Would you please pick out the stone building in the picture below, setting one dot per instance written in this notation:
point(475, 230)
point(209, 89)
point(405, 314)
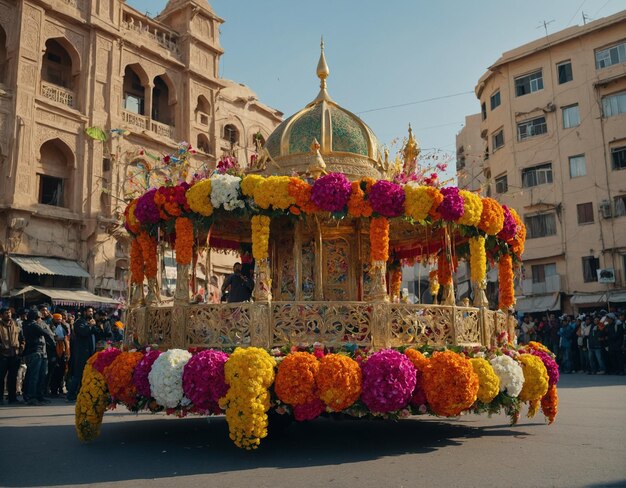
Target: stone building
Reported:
point(66, 65)
point(554, 143)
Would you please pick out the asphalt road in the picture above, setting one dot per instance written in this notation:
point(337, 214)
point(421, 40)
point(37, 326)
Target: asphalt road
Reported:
point(585, 447)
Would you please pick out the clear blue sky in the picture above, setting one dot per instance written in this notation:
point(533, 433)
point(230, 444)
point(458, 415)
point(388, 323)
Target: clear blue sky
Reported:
point(383, 53)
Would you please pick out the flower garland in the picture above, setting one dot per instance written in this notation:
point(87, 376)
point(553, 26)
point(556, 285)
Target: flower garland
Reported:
point(433, 283)
point(260, 236)
point(535, 378)
point(420, 362)
point(204, 380)
point(130, 221)
point(492, 217)
point(509, 227)
point(249, 184)
point(172, 200)
point(105, 358)
point(506, 285)
point(166, 377)
point(419, 200)
point(387, 198)
point(379, 239)
point(136, 263)
point(551, 365)
point(119, 378)
point(550, 404)
point(142, 370)
point(199, 198)
point(149, 251)
point(338, 381)
point(452, 206)
point(249, 372)
point(488, 381)
point(184, 240)
point(273, 192)
point(396, 282)
point(473, 208)
point(518, 242)
point(146, 210)
point(331, 192)
point(389, 379)
point(91, 402)
point(295, 379)
point(300, 191)
point(437, 198)
point(444, 269)
point(225, 190)
point(450, 383)
point(510, 374)
point(358, 206)
point(478, 259)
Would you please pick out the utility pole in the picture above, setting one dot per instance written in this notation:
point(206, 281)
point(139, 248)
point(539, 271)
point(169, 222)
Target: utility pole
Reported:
point(545, 25)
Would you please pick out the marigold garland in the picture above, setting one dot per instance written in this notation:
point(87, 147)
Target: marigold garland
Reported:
point(437, 198)
point(119, 378)
point(450, 383)
point(249, 372)
point(300, 191)
point(535, 378)
point(420, 362)
point(199, 198)
point(550, 404)
point(260, 236)
point(358, 206)
point(295, 379)
point(136, 262)
point(184, 240)
point(478, 259)
point(130, 221)
point(91, 403)
point(249, 184)
point(273, 192)
point(396, 282)
point(379, 239)
point(445, 267)
point(338, 381)
point(488, 381)
point(434, 286)
point(473, 206)
point(505, 282)
point(492, 217)
point(419, 200)
point(149, 251)
point(518, 242)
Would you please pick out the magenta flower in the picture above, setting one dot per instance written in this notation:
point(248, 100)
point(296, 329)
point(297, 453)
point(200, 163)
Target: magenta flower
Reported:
point(105, 358)
point(146, 211)
point(140, 375)
point(451, 208)
point(510, 226)
point(331, 192)
point(550, 364)
point(204, 381)
point(388, 381)
point(309, 411)
point(387, 198)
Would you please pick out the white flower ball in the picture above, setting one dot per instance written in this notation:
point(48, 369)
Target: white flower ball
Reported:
point(510, 373)
point(166, 377)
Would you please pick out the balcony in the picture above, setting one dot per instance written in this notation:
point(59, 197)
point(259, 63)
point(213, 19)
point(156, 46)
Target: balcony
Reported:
point(71, 3)
point(136, 121)
point(552, 284)
point(151, 30)
point(162, 130)
point(58, 94)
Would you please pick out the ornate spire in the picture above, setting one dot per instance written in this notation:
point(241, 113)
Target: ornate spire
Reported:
point(322, 73)
point(410, 152)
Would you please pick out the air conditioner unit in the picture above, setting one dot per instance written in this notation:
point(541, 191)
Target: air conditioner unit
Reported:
point(605, 209)
point(606, 275)
point(550, 107)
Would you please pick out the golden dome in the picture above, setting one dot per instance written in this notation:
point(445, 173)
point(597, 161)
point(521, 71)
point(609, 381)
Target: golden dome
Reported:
point(323, 128)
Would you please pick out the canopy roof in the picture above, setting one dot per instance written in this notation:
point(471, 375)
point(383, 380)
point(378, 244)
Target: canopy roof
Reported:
point(50, 266)
point(66, 296)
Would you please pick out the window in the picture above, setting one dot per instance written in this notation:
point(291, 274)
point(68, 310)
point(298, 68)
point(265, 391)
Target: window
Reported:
point(497, 140)
point(495, 100)
point(610, 56)
point(531, 128)
point(618, 155)
point(590, 267)
point(502, 184)
point(564, 71)
point(529, 83)
point(614, 104)
point(483, 110)
point(134, 92)
point(543, 271)
point(51, 191)
point(577, 166)
point(231, 134)
point(585, 213)
point(134, 104)
point(106, 165)
point(619, 205)
point(541, 225)
point(571, 116)
point(537, 175)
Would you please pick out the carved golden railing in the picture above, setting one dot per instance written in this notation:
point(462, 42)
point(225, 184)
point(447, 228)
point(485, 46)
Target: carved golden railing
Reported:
point(276, 324)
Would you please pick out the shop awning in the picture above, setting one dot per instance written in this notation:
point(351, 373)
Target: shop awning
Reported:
point(590, 299)
point(49, 266)
point(538, 303)
point(619, 296)
point(67, 297)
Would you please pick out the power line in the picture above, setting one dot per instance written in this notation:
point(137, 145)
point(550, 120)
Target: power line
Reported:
point(576, 13)
point(416, 102)
point(607, 2)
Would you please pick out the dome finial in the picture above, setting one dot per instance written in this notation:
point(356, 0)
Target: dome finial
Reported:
point(322, 74)
point(410, 153)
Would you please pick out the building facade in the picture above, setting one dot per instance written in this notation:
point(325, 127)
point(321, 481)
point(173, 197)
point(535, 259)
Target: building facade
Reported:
point(469, 156)
point(67, 65)
point(553, 125)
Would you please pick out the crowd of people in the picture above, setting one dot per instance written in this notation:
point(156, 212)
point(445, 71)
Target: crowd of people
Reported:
point(588, 343)
point(43, 353)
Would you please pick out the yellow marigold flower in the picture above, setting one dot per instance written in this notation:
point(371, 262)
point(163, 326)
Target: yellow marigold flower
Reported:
point(419, 201)
point(478, 259)
point(249, 183)
point(473, 205)
point(199, 198)
point(488, 381)
point(260, 236)
point(535, 378)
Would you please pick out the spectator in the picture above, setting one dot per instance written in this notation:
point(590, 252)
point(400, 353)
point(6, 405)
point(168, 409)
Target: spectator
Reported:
point(86, 334)
point(118, 331)
point(38, 337)
point(567, 333)
point(11, 348)
point(597, 337)
point(615, 341)
point(583, 343)
point(238, 286)
point(527, 329)
point(62, 352)
point(214, 291)
point(105, 332)
point(553, 333)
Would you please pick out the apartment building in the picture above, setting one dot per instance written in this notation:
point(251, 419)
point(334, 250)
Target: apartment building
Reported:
point(66, 65)
point(553, 129)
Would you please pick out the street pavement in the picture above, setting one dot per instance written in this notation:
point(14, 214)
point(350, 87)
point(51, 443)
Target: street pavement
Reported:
point(586, 447)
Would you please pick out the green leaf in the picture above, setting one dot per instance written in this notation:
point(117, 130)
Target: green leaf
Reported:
point(96, 133)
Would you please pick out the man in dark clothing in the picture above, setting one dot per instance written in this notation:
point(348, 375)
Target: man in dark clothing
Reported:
point(11, 348)
point(238, 286)
point(38, 336)
point(615, 340)
point(105, 332)
point(597, 339)
point(83, 344)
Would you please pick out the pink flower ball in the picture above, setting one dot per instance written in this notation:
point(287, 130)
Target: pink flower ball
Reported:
point(309, 411)
point(389, 379)
point(387, 198)
point(204, 381)
point(105, 358)
point(140, 375)
point(452, 208)
point(331, 192)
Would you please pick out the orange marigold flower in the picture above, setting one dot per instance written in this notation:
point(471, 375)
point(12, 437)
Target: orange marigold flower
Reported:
point(338, 381)
point(148, 248)
point(417, 358)
point(295, 380)
point(492, 217)
point(506, 285)
point(184, 240)
point(437, 198)
point(357, 205)
point(136, 262)
point(119, 377)
point(300, 191)
point(550, 404)
point(379, 239)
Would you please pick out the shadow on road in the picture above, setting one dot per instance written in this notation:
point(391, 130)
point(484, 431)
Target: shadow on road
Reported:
point(160, 447)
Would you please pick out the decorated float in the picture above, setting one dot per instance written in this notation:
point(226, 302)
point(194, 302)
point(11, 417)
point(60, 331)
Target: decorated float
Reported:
point(327, 220)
